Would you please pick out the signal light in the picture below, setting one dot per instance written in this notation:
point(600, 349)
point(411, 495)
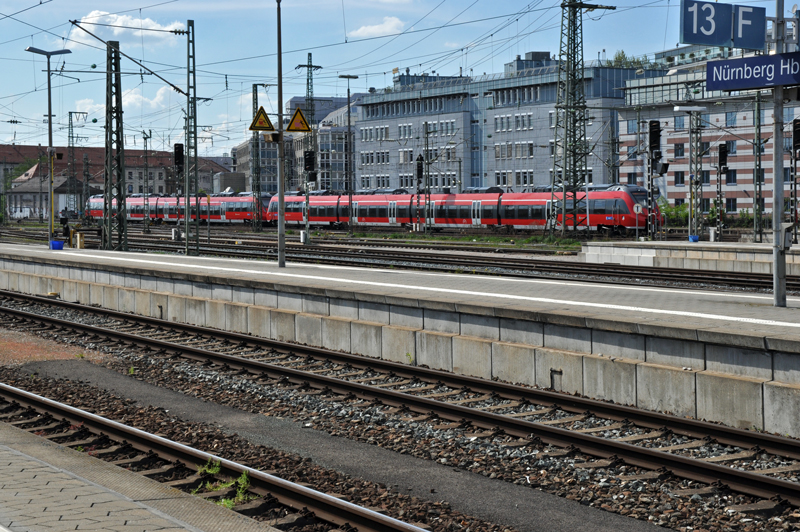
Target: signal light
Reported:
point(722, 159)
point(420, 170)
point(178, 154)
point(271, 137)
point(654, 127)
point(309, 160)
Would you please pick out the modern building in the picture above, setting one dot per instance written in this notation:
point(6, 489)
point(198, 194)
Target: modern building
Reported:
point(495, 129)
point(729, 119)
point(242, 162)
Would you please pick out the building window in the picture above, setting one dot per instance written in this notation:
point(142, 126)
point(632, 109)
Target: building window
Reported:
point(679, 179)
point(680, 123)
point(758, 146)
point(631, 178)
point(788, 114)
point(730, 204)
point(787, 144)
point(160, 189)
point(730, 177)
point(552, 119)
point(705, 204)
point(731, 144)
point(705, 177)
point(787, 175)
point(730, 119)
point(705, 119)
point(679, 201)
point(705, 147)
point(632, 126)
point(759, 175)
point(679, 150)
point(632, 152)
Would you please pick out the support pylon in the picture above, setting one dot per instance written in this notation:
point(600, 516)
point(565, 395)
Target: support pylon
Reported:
point(191, 201)
point(115, 227)
point(571, 147)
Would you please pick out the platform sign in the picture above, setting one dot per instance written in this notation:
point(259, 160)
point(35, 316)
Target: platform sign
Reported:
point(760, 71)
point(298, 123)
point(261, 122)
point(715, 24)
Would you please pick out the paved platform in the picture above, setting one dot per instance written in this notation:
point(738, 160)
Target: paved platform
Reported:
point(45, 487)
point(724, 356)
point(722, 256)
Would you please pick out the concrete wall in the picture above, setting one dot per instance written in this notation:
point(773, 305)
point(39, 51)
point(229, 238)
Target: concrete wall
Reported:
point(743, 380)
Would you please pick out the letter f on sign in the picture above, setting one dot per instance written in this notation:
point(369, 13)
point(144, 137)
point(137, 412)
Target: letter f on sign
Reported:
point(742, 21)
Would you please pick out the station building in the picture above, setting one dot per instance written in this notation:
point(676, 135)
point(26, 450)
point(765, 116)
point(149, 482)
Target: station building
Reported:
point(494, 129)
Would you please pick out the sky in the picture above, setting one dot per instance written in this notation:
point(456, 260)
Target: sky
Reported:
point(236, 47)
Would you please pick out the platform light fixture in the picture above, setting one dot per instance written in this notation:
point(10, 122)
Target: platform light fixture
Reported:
point(51, 151)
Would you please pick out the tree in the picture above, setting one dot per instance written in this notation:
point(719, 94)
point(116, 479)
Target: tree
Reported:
point(622, 60)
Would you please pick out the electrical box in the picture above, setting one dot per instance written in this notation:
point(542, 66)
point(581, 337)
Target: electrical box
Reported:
point(785, 242)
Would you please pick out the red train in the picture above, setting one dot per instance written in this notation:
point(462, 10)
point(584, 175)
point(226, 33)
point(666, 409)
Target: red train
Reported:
point(610, 207)
point(217, 209)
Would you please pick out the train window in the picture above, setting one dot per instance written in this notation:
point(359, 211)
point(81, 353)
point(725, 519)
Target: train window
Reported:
point(510, 212)
point(449, 211)
point(383, 211)
point(373, 211)
point(463, 211)
point(273, 207)
point(314, 211)
point(488, 212)
point(345, 211)
point(361, 211)
point(523, 212)
point(598, 207)
point(215, 210)
point(442, 211)
point(620, 207)
point(330, 211)
point(402, 211)
point(537, 212)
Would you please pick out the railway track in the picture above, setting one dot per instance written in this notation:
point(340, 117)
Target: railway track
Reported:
point(191, 469)
point(539, 423)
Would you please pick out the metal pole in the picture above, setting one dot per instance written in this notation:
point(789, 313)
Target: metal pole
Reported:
point(757, 211)
point(349, 156)
point(281, 177)
point(50, 150)
point(778, 253)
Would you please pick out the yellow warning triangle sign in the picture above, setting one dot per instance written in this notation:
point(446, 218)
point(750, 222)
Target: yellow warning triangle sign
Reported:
point(261, 122)
point(298, 122)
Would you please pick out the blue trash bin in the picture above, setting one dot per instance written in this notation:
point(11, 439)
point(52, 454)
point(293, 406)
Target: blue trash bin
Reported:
point(56, 245)
point(694, 238)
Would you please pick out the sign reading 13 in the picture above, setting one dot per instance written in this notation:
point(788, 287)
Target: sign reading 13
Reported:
point(706, 23)
point(715, 24)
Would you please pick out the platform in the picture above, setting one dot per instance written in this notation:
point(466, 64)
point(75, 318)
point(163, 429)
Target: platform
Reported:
point(723, 356)
point(719, 256)
point(44, 486)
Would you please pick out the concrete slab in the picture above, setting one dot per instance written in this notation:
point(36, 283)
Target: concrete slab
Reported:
point(610, 378)
point(738, 361)
point(202, 290)
point(258, 321)
point(373, 312)
point(315, 305)
point(567, 338)
point(472, 356)
point(282, 327)
point(559, 370)
point(68, 290)
point(514, 362)
point(308, 329)
point(666, 389)
point(621, 345)
point(244, 295)
point(435, 350)
point(343, 308)
point(521, 332)
point(402, 316)
point(177, 308)
point(480, 326)
point(676, 353)
point(236, 317)
point(290, 301)
point(221, 292)
point(336, 333)
point(399, 344)
point(441, 321)
point(159, 306)
point(265, 298)
point(111, 297)
point(83, 293)
point(779, 399)
point(127, 300)
point(142, 303)
point(196, 313)
point(365, 338)
point(735, 401)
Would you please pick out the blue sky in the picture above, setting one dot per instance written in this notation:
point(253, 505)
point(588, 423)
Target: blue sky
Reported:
point(236, 47)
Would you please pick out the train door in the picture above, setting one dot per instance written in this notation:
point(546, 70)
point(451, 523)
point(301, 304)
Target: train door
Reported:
point(392, 212)
point(354, 213)
point(430, 214)
point(476, 213)
point(304, 211)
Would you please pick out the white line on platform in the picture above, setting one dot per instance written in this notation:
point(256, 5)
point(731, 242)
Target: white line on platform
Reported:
point(603, 306)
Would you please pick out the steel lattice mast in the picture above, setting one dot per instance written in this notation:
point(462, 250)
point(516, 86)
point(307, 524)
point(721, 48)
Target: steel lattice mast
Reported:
point(86, 189)
point(255, 170)
point(570, 144)
point(190, 166)
point(115, 228)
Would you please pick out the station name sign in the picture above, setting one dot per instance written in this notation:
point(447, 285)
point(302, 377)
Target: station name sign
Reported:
point(753, 72)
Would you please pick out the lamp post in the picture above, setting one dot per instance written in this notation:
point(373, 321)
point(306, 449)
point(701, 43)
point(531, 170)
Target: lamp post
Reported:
point(50, 149)
point(349, 158)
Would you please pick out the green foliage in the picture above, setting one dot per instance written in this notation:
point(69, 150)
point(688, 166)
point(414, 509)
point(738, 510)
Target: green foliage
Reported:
point(210, 468)
point(131, 370)
point(227, 503)
point(676, 216)
point(623, 60)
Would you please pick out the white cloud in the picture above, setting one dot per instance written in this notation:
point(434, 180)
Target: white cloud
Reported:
point(390, 25)
point(451, 45)
point(129, 30)
point(134, 98)
point(88, 105)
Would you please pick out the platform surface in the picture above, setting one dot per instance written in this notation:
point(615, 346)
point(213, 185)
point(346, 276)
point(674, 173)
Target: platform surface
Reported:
point(722, 311)
point(46, 487)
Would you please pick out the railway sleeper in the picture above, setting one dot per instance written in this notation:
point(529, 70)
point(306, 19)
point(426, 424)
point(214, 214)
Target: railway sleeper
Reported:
point(295, 520)
point(765, 508)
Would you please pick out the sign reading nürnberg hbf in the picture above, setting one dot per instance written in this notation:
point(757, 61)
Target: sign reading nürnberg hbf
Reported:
point(753, 72)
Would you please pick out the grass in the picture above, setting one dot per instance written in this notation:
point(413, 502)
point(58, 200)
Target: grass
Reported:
point(509, 240)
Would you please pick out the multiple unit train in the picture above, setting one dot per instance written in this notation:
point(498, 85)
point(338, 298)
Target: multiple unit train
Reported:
point(607, 207)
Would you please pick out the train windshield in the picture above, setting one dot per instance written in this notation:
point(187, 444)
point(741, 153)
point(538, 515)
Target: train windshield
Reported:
point(639, 197)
